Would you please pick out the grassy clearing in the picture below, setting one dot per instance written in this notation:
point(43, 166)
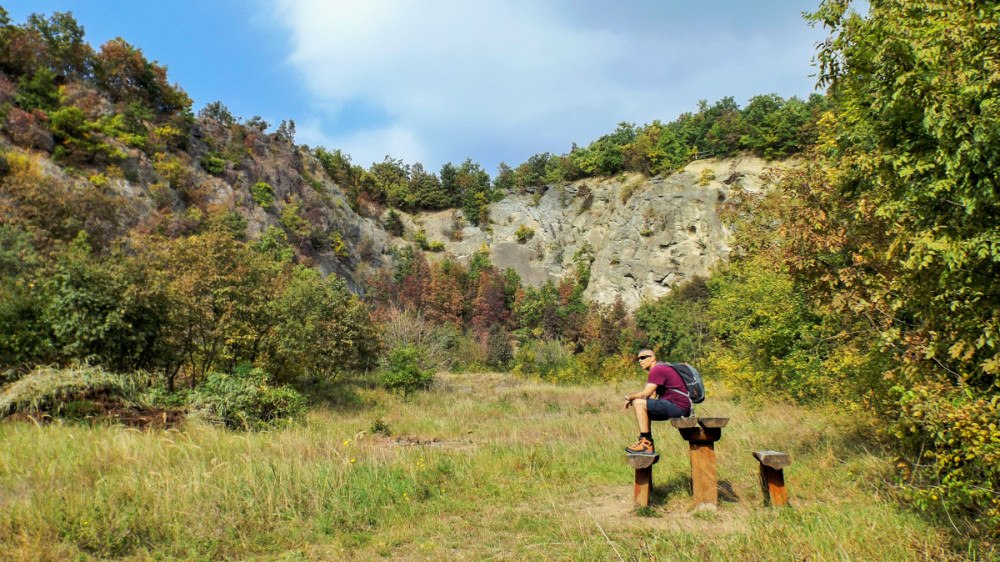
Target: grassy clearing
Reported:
point(519, 470)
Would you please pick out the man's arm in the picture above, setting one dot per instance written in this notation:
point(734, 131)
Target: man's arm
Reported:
point(646, 392)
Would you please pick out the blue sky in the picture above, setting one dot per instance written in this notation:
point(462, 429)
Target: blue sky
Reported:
point(445, 80)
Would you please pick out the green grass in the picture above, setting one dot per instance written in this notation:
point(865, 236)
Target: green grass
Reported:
point(519, 470)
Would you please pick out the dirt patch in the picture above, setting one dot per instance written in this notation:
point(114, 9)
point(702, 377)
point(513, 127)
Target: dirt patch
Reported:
point(611, 507)
point(416, 440)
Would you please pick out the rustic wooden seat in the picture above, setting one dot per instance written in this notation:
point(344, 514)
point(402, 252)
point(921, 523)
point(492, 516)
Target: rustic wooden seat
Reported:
point(772, 479)
point(643, 465)
point(701, 435)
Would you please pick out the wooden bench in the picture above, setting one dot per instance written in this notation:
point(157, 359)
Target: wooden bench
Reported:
point(701, 435)
point(772, 479)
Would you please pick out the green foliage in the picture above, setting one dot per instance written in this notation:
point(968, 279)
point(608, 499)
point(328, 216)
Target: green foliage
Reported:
point(293, 221)
point(766, 332)
point(320, 328)
point(421, 239)
point(402, 371)
point(706, 176)
point(274, 241)
point(101, 311)
point(542, 358)
point(392, 223)
point(218, 111)
point(913, 139)
point(245, 399)
point(480, 262)
point(38, 92)
point(76, 138)
point(951, 460)
point(214, 164)
point(677, 325)
point(769, 126)
point(263, 194)
point(499, 351)
point(523, 233)
point(338, 246)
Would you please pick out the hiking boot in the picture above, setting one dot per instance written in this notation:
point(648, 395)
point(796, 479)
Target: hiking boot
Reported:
point(643, 447)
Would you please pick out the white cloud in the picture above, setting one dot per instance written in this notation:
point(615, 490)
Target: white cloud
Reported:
point(367, 146)
point(439, 81)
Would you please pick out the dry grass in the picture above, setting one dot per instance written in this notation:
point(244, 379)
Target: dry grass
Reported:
point(518, 470)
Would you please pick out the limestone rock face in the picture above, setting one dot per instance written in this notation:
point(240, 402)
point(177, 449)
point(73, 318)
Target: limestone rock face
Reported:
point(646, 235)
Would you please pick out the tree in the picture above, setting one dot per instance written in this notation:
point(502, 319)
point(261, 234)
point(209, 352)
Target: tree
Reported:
point(915, 139)
point(123, 71)
point(891, 229)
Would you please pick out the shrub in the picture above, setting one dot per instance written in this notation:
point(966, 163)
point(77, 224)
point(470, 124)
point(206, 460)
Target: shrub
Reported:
point(338, 246)
point(403, 370)
point(951, 459)
point(263, 194)
point(392, 223)
point(245, 399)
point(213, 164)
point(499, 351)
point(706, 176)
point(437, 342)
point(524, 234)
point(541, 358)
point(421, 239)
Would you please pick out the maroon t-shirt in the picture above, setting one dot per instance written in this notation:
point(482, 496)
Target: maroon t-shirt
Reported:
point(667, 380)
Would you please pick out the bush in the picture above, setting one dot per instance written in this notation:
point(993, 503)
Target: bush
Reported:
point(542, 358)
point(263, 194)
point(499, 351)
point(677, 325)
point(244, 399)
point(392, 223)
point(951, 459)
point(213, 164)
point(403, 370)
point(706, 176)
point(524, 234)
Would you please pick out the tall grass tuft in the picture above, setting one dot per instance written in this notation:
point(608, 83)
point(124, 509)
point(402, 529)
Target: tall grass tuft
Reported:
point(50, 389)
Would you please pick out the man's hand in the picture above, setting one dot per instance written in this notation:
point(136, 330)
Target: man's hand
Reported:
point(628, 402)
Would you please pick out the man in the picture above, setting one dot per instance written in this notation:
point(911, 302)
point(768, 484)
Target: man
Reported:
point(671, 400)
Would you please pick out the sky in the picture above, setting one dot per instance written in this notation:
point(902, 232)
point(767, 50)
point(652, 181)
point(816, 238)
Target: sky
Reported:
point(439, 81)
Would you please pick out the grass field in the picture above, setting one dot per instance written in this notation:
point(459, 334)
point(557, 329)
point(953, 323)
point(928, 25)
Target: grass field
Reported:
point(483, 467)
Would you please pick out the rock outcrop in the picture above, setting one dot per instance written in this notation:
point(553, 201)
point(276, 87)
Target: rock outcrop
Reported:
point(645, 235)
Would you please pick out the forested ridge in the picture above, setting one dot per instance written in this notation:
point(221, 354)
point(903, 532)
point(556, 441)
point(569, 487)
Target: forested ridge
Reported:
point(867, 277)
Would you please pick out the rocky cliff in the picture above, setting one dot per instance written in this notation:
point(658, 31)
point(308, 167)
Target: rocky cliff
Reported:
point(646, 235)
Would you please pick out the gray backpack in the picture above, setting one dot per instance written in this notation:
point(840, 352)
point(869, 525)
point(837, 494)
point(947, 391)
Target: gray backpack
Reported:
point(692, 380)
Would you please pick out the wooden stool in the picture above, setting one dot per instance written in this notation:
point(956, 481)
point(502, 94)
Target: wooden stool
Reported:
point(643, 465)
point(701, 434)
point(772, 481)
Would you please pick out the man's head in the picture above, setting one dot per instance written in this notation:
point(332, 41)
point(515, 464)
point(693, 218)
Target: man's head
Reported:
point(646, 359)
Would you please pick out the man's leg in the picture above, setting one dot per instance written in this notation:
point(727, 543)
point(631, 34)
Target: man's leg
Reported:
point(641, 415)
point(645, 444)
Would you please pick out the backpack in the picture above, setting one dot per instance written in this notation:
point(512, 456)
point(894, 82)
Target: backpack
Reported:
point(692, 380)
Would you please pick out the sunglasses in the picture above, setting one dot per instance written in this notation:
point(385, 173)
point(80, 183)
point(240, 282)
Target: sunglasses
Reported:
point(643, 357)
